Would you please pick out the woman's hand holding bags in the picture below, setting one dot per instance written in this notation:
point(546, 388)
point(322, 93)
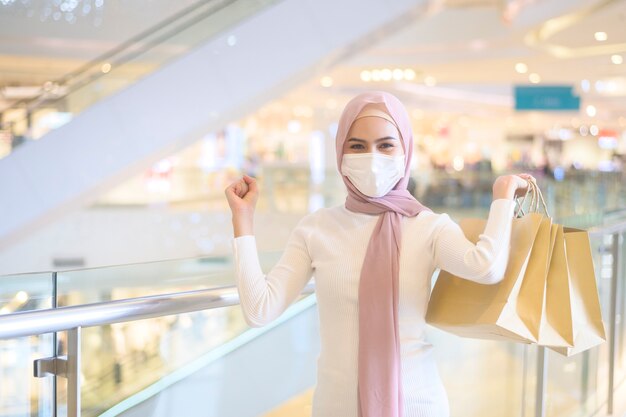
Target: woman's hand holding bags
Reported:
point(548, 295)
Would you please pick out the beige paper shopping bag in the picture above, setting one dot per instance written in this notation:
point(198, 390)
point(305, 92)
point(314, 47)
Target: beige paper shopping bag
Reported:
point(556, 320)
point(469, 309)
point(530, 301)
point(586, 316)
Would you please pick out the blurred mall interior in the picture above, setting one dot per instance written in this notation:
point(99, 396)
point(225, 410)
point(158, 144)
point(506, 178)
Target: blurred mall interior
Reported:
point(122, 122)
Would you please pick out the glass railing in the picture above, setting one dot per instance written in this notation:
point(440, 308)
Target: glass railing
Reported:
point(118, 359)
point(60, 100)
point(20, 393)
point(207, 361)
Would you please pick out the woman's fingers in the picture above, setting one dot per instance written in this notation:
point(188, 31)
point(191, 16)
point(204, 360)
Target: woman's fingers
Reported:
point(527, 177)
point(241, 188)
point(251, 183)
point(242, 194)
point(523, 183)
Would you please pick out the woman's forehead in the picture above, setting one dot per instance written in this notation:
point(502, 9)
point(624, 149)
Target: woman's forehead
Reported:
point(372, 127)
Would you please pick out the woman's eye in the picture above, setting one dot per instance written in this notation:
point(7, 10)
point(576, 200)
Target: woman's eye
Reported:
point(386, 146)
point(356, 146)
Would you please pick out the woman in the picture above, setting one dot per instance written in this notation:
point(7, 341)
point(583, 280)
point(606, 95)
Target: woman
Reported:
point(372, 258)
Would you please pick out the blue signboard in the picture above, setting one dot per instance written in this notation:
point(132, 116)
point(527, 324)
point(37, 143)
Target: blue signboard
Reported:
point(549, 98)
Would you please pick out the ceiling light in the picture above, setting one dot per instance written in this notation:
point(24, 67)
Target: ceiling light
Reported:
point(593, 129)
point(584, 130)
point(409, 74)
point(430, 81)
point(294, 126)
point(534, 78)
point(458, 163)
point(326, 82)
point(600, 36)
point(21, 92)
point(617, 59)
point(591, 111)
point(376, 76)
point(106, 67)
point(366, 76)
point(398, 74)
point(521, 68)
point(231, 40)
point(386, 74)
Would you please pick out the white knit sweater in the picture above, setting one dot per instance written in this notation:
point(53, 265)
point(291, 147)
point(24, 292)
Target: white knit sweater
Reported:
point(330, 244)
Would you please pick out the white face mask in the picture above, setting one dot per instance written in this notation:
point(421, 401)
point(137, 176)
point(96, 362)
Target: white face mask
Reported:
point(373, 174)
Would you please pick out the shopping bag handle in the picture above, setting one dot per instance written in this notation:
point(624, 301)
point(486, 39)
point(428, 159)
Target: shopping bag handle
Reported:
point(520, 206)
point(536, 196)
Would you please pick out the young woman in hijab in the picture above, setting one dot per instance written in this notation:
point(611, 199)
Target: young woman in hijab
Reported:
point(372, 258)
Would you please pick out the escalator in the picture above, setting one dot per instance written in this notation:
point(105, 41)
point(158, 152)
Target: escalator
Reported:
point(129, 112)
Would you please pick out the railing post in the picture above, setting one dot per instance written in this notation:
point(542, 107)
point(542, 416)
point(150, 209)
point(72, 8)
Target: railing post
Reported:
point(542, 375)
point(55, 345)
point(524, 380)
point(73, 372)
point(613, 319)
point(67, 367)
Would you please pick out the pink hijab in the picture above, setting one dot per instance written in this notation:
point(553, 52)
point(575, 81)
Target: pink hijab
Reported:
point(380, 378)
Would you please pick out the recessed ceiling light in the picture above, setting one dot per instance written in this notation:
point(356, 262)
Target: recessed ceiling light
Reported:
point(600, 36)
point(534, 78)
point(409, 74)
point(521, 68)
point(386, 74)
point(106, 67)
point(366, 76)
point(326, 81)
point(584, 130)
point(617, 59)
point(591, 110)
point(398, 74)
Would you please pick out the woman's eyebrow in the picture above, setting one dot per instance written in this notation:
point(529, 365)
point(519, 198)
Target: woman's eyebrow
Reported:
point(377, 140)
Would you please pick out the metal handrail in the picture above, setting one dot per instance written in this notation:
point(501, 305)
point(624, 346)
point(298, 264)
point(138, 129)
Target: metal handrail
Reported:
point(607, 230)
point(31, 323)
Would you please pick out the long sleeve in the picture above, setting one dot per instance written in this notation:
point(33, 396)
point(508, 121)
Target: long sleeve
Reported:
point(484, 262)
point(265, 297)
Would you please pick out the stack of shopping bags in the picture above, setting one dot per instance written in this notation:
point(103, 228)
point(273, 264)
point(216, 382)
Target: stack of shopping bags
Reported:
point(548, 295)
